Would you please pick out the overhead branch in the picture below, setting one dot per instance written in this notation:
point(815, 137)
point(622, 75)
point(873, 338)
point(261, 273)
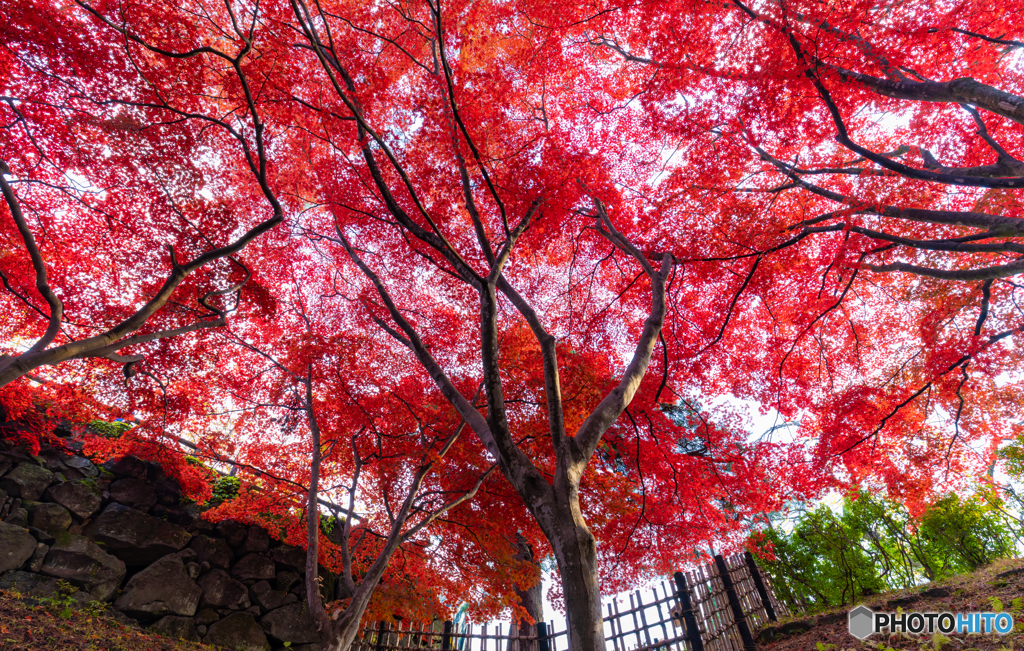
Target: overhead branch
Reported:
point(961, 91)
point(446, 67)
point(106, 343)
point(464, 408)
point(333, 68)
point(612, 44)
point(997, 225)
point(957, 177)
point(986, 296)
point(985, 273)
point(489, 348)
point(465, 497)
point(474, 213)
point(998, 40)
point(38, 265)
point(613, 404)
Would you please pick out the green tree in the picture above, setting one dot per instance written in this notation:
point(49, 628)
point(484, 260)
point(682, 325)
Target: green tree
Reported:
point(873, 544)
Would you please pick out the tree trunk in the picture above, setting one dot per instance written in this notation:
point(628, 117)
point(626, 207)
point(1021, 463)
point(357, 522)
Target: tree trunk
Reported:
point(344, 631)
point(575, 552)
point(530, 599)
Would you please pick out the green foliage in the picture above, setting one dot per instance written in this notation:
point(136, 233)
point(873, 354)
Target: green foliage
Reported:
point(874, 545)
point(331, 527)
point(1012, 455)
point(66, 606)
point(939, 640)
point(327, 524)
point(226, 489)
point(109, 430)
point(963, 535)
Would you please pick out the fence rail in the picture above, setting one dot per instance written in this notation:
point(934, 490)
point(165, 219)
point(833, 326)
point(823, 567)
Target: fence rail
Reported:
point(713, 607)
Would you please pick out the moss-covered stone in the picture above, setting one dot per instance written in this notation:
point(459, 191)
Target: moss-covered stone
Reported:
point(27, 481)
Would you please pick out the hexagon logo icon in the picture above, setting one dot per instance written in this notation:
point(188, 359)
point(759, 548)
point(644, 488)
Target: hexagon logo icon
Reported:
point(862, 621)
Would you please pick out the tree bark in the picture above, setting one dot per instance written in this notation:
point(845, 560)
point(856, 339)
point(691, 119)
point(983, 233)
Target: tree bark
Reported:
point(530, 598)
point(576, 554)
point(557, 512)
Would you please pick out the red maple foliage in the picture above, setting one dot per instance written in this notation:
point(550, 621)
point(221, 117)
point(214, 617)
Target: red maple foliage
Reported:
point(597, 218)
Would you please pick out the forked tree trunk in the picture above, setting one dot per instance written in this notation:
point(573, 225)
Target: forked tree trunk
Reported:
point(344, 631)
point(575, 550)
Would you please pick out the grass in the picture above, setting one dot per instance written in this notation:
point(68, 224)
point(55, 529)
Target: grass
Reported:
point(61, 624)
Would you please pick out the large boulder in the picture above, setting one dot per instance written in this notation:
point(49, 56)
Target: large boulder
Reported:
point(291, 623)
point(233, 531)
point(81, 497)
point(133, 492)
point(51, 518)
point(214, 551)
point(83, 466)
point(163, 588)
point(167, 491)
point(253, 566)
point(128, 466)
point(206, 616)
point(221, 591)
point(182, 628)
point(18, 516)
point(274, 599)
point(286, 581)
point(38, 556)
point(29, 583)
point(80, 561)
point(135, 537)
point(238, 631)
point(257, 540)
point(27, 481)
point(16, 546)
point(289, 558)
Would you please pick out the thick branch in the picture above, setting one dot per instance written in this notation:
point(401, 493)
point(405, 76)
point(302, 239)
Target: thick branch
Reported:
point(42, 285)
point(612, 406)
point(962, 91)
point(313, 598)
point(986, 273)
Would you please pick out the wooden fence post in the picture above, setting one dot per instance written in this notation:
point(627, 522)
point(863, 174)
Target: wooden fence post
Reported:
point(446, 636)
point(734, 603)
point(683, 594)
point(381, 629)
point(542, 636)
point(762, 591)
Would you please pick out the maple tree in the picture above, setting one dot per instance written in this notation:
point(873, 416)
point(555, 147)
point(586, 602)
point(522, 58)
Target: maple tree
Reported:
point(596, 215)
point(143, 195)
point(885, 276)
point(383, 442)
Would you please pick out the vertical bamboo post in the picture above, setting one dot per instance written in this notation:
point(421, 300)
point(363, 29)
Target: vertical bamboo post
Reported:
point(446, 636)
point(692, 632)
point(734, 603)
point(762, 591)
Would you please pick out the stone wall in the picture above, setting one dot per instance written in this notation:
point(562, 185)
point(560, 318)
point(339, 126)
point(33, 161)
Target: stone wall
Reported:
point(120, 534)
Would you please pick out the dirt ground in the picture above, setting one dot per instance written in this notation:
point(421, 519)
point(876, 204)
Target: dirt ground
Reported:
point(32, 625)
point(983, 591)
